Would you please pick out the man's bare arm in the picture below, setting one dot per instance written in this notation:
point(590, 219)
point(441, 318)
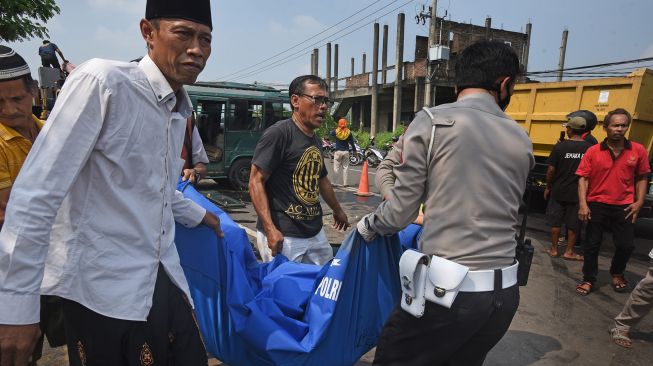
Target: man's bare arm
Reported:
point(257, 179)
point(584, 213)
point(640, 192)
point(550, 174)
point(340, 220)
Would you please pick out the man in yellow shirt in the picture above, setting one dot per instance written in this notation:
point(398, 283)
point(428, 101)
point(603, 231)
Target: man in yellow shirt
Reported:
point(18, 130)
point(18, 127)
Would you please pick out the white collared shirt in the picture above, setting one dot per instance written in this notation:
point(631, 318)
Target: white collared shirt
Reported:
point(95, 200)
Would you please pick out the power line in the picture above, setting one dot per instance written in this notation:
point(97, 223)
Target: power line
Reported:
point(586, 75)
point(304, 41)
point(299, 53)
point(591, 66)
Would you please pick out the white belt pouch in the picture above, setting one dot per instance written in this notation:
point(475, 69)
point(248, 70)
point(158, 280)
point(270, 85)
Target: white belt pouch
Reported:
point(413, 267)
point(444, 279)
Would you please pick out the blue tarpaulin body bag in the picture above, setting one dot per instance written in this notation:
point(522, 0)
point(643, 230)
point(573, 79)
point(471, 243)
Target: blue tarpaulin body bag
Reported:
point(286, 313)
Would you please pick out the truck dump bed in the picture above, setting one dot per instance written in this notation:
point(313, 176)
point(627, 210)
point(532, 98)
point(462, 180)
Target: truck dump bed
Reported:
point(540, 108)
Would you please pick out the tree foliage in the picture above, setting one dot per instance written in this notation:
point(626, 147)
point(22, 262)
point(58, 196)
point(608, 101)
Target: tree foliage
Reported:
point(25, 19)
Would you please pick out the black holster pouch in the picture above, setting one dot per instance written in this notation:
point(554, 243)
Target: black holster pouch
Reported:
point(524, 255)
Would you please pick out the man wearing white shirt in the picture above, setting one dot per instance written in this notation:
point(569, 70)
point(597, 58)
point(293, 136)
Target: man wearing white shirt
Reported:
point(91, 215)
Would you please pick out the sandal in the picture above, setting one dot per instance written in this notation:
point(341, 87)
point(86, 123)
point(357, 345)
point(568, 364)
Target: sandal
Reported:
point(620, 337)
point(551, 253)
point(572, 257)
point(619, 283)
point(584, 288)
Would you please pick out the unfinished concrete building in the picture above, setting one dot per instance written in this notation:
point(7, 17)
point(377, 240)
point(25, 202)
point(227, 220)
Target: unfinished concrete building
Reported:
point(356, 99)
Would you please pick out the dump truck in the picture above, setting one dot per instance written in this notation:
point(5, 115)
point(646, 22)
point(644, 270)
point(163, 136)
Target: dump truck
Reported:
point(541, 109)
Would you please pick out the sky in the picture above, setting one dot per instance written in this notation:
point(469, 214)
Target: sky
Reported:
point(248, 33)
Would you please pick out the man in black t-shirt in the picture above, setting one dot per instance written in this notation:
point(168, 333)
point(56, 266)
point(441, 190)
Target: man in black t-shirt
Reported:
point(590, 123)
point(288, 176)
point(562, 186)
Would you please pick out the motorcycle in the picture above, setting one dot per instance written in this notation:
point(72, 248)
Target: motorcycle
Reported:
point(374, 155)
point(328, 147)
point(357, 156)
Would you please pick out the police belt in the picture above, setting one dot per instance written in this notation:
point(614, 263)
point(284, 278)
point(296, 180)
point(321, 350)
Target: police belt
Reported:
point(484, 280)
point(439, 280)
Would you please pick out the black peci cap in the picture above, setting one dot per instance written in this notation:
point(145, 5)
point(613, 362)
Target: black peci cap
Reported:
point(198, 11)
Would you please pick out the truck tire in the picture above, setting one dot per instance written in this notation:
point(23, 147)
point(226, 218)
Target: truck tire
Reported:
point(239, 173)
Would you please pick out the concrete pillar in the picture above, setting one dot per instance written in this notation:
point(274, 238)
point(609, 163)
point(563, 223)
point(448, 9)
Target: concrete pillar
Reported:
point(362, 115)
point(375, 72)
point(313, 63)
point(399, 68)
point(352, 67)
point(328, 66)
point(317, 61)
point(428, 99)
point(364, 63)
point(419, 93)
point(563, 50)
point(335, 68)
point(384, 56)
point(527, 46)
point(488, 27)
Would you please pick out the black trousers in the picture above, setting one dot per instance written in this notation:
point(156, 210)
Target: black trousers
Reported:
point(170, 335)
point(461, 335)
point(607, 217)
point(50, 61)
point(51, 325)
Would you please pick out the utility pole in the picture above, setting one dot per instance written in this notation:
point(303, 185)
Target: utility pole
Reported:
point(563, 50)
point(352, 67)
point(335, 68)
point(399, 68)
point(328, 66)
point(317, 61)
point(488, 27)
point(375, 72)
point(428, 95)
point(364, 62)
point(384, 56)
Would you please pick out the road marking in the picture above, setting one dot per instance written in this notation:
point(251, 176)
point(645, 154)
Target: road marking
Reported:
point(360, 171)
point(352, 189)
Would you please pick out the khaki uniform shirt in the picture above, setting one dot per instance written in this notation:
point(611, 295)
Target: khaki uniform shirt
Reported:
point(472, 186)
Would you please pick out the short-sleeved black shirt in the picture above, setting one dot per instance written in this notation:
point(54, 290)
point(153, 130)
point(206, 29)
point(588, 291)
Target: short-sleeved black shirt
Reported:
point(565, 157)
point(296, 165)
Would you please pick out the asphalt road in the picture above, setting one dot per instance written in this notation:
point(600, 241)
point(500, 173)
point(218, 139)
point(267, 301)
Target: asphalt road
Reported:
point(553, 326)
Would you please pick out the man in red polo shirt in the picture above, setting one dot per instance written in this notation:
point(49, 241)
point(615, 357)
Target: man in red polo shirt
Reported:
point(611, 191)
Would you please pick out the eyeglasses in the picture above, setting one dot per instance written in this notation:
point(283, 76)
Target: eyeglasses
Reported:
point(319, 100)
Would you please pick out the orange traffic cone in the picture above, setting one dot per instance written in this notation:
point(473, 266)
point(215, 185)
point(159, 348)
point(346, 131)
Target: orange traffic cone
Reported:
point(363, 186)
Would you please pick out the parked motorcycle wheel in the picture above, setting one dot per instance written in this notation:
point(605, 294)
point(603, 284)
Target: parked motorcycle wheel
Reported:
point(354, 159)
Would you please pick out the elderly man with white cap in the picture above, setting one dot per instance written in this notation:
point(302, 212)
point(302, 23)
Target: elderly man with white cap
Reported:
point(77, 226)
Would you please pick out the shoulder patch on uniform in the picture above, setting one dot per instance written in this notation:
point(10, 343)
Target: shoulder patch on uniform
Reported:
point(443, 121)
point(438, 118)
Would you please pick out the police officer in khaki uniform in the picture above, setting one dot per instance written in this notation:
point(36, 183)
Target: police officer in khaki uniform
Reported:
point(472, 185)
